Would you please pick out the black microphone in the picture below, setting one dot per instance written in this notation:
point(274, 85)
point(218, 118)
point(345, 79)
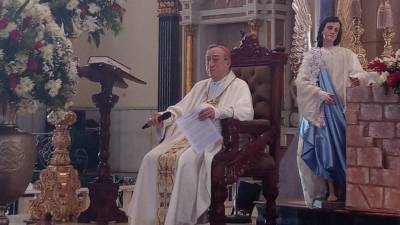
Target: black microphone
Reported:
point(163, 116)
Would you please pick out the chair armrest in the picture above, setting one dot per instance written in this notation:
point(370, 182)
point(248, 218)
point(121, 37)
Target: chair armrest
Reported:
point(231, 128)
point(255, 127)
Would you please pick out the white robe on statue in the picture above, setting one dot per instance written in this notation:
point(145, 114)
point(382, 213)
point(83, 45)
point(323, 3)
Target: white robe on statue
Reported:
point(189, 191)
point(341, 63)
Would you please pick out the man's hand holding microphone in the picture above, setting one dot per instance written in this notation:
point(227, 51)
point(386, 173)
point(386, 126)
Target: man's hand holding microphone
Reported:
point(156, 119)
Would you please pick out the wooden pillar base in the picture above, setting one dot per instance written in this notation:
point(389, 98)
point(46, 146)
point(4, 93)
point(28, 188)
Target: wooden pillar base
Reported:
point(103, 207)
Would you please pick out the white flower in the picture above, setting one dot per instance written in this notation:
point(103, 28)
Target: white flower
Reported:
point(53, 29)
point(45, 68)
point(56, 117)
point(397, 54)
point(91, 24)
point(73, 71)
point(24, 87)
point(93, 8)
point(19, 64)
point(21, 58)
point(68, 104)
point(390, 61)
point(6, 32)
point(55, 57)
point(53, 86)
point(47, 52)
point(72, 4)
point(382, 78)
point(44, 13)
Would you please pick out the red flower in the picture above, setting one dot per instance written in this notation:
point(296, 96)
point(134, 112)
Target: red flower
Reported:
point(26, 22)
point(3, 23)
point(15, 35)
point(84, 8)
point(38, 45)
point(393, 79)
point(377, 66)
point(12, 81)
point(33, 64)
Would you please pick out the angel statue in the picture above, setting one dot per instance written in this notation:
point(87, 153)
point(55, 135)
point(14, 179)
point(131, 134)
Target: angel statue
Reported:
point(325, 72)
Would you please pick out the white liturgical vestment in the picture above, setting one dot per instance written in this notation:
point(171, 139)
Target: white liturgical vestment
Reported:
point(173, 186)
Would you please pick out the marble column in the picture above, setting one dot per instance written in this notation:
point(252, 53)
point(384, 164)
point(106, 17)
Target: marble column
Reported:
point(168, 54)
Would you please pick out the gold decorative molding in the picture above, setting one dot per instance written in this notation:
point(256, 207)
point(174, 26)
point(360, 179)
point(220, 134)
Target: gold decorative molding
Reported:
point(387, 37)
point(344, 14)
point(253, 25)
point(167, 7)
point(188, 58)
point(356, 44)
point(59, 182)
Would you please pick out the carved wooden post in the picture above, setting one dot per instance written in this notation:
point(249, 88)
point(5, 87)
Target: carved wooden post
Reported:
point(104, 192)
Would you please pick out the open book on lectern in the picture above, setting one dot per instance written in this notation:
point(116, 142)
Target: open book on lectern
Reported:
point(109, 61)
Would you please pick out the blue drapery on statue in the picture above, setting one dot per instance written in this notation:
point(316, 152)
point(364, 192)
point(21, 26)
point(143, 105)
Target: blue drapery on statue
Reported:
point(324, 148)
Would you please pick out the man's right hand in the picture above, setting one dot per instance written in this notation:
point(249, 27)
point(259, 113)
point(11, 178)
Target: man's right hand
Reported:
point(153, 120)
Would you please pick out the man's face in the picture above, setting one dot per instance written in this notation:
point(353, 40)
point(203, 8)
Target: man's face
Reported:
point(217, 63)
point(330, 32)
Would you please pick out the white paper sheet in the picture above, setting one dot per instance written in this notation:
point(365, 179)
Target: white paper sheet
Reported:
point(200, 134)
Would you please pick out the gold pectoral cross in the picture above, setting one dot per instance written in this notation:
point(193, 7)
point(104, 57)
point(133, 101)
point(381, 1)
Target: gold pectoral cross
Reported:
point(212, 101)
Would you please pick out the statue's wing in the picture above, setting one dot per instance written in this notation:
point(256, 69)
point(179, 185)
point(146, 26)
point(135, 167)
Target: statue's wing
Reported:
point(301, 34)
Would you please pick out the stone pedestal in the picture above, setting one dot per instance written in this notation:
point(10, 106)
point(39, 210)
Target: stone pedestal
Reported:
point(373, 150)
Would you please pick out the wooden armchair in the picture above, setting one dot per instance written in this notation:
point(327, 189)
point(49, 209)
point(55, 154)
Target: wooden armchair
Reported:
point(263, 70)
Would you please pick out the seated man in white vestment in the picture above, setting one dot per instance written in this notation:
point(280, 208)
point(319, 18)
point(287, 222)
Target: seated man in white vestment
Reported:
point(174, 182)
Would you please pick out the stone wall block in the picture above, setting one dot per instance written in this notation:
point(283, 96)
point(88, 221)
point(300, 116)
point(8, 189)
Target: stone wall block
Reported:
point(380, 96)
point(354, 197)
point(370, 157)
point(392, 199)
point(351, 156)
point(354, 107)
point(358, 175)
point(381, 130)
point(392, 112)
point(392, 162)
point(385, 177)
point(374, 195)
point(355, 137)
point(398, 129)
point(371, 112)
point(391, 146)
point(351, 117)
point(358, 94)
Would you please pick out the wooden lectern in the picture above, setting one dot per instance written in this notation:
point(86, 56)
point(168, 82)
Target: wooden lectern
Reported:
point(103, 192)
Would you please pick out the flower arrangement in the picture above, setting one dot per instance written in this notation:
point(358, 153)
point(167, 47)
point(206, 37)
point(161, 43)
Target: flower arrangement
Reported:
point(93, 16)
point(389, 70)
point(36, 63)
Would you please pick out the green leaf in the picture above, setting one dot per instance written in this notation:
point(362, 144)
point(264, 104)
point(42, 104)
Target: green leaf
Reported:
point(21, 9)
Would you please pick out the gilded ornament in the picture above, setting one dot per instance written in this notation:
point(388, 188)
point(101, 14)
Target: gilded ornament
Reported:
point(59, 182)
